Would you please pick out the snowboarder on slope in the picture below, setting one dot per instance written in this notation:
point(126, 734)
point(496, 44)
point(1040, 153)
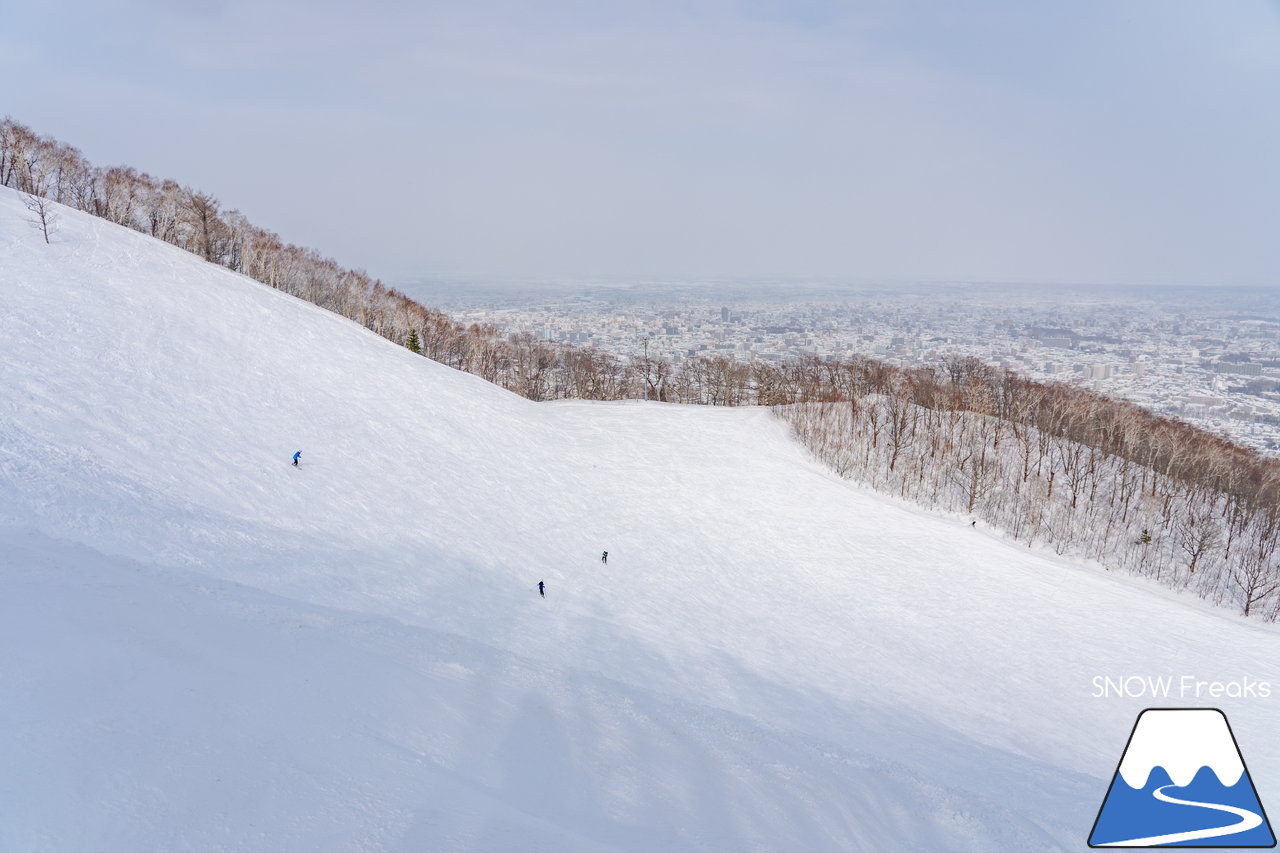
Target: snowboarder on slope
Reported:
point(295, 458)
point(604, 558)
point(542, 590)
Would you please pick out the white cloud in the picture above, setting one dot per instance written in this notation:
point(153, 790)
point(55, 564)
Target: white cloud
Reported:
point(1105, 142)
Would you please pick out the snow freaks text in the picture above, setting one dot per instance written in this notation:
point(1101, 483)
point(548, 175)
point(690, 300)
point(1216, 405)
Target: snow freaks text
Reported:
point(1181, 687)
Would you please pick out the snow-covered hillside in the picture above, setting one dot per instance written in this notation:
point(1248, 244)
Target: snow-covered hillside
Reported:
point(205, 648)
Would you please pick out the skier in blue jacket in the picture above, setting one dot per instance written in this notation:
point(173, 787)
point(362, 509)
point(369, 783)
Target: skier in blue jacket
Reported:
point(295, 458)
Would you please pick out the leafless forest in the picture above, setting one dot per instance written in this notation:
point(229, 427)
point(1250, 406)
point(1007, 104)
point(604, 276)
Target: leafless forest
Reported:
point(1051, 465)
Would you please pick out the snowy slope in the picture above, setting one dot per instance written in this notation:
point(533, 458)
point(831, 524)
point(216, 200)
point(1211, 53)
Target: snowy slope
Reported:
point(772, 659)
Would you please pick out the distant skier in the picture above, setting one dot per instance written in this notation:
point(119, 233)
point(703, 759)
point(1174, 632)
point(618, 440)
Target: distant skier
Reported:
point(542, 590)
point(295, 458)
point(604, 558)
point(974, 524)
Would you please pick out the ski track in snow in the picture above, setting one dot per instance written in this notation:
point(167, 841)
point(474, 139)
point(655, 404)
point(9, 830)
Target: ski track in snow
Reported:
point(772, 659)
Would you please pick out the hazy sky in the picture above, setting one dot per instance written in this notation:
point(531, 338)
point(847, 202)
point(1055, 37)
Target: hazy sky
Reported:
point(1085, 142)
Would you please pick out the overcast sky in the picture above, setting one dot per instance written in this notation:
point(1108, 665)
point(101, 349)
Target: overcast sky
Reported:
point(1074, 142)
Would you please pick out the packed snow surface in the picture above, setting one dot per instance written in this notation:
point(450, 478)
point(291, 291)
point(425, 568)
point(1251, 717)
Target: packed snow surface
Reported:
point(205, 648)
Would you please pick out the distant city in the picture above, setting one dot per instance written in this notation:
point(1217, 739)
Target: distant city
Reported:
point(1210, 356)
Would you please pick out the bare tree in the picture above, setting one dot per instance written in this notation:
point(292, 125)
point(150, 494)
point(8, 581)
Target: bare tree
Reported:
point(44, 216)
point(1255, 574)
point(902, 417)
point(1197, 533)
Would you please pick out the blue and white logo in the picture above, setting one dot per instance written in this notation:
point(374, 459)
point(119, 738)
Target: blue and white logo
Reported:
point(1182, 783)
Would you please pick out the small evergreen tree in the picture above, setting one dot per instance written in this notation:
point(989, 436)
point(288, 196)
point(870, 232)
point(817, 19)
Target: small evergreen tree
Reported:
point(414, 344)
